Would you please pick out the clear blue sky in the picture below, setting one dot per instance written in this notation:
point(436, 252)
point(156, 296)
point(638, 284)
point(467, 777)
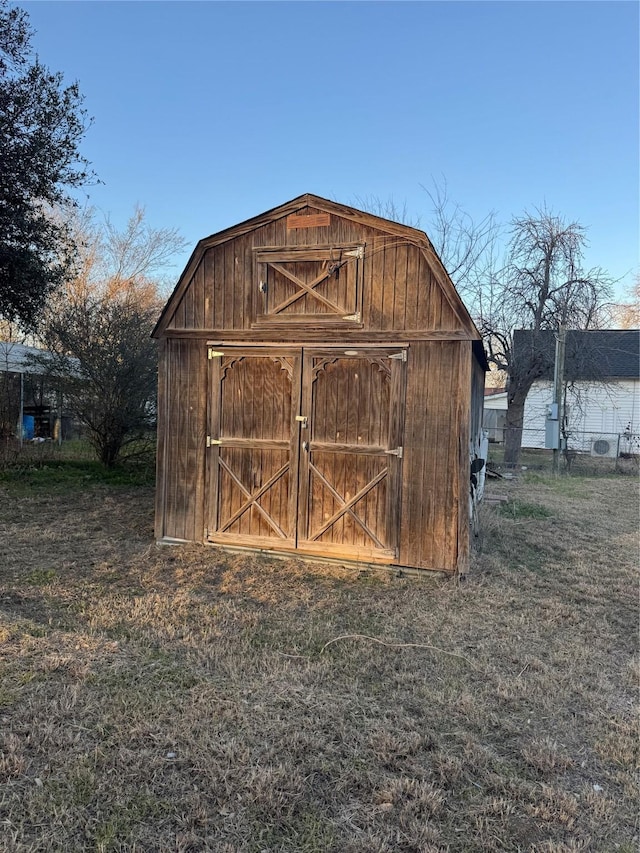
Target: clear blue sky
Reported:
point(209, 113)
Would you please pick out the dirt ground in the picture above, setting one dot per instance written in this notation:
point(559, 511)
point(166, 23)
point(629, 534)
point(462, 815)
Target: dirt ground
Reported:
point(182, 699)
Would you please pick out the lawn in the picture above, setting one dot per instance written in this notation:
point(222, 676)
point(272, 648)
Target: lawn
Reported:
point(182, 699)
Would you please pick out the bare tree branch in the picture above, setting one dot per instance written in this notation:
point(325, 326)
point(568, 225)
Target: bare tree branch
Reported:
point(98, 329)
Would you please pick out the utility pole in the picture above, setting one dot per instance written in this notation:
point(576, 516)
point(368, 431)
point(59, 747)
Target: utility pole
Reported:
point(558, 391)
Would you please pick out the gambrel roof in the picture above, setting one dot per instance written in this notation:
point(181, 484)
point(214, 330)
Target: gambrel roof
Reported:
point(407, 233)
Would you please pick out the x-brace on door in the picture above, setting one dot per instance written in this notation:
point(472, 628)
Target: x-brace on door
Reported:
point(351, 457)
point(305, 449)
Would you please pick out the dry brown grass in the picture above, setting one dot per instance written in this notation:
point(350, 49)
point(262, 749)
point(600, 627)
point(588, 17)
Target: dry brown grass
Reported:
point(182, 699)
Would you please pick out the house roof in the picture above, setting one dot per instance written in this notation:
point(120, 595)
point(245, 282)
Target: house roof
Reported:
point(18, 358)
point(412, 235)
point(596, 355)
point(496, 401)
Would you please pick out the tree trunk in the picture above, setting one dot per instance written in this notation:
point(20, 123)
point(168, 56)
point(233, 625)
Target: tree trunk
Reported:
point(107, 446)
point(513, 432)
point(109, 456)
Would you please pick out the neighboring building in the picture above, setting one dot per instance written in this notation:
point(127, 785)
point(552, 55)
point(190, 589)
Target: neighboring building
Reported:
point(320, 392)
point(494, 418)
point(602, 369)
point(30, 405)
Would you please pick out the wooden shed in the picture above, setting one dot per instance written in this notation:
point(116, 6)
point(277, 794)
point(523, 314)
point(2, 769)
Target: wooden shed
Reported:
point(320, 392)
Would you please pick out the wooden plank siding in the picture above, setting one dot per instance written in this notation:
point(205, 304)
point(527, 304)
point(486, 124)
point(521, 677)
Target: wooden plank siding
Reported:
point(433, 497)
point(428, 398)
point(462, 421)
point(435, 492)
point(400, 290)
point(182, 403)
point(161, 452)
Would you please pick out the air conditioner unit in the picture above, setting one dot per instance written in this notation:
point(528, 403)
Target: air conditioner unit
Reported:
point(606, 447)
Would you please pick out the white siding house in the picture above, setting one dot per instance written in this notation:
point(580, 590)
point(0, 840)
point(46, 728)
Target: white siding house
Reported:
point(593, 410)
point(603, 390)
point(495, 415)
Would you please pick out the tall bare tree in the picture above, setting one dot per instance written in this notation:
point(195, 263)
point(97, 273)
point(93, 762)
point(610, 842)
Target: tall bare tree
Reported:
point(467, 246)
point(98, 330)
point(537, 282)
point(542, 286)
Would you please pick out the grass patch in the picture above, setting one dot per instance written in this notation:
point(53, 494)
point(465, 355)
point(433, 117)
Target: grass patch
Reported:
point(62, 475)
point(41, 577)
point(187, 699)
point(571, 487)
point(521, 509)
point(72, 466)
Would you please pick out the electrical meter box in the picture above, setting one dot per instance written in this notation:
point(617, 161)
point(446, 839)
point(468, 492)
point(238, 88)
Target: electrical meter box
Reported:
point(552, 428)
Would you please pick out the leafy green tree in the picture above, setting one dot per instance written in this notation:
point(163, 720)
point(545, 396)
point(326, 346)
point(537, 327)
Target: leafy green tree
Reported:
point(42, 123)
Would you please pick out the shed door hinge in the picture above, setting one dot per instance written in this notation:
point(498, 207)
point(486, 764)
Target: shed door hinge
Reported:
point(396, 452)
point(212, 441)
point(214, 353)
point(355, 253)
point(401, 356)
point(353, 318)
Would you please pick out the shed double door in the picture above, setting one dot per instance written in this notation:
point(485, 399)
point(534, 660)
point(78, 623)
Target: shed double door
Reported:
point(305, 449)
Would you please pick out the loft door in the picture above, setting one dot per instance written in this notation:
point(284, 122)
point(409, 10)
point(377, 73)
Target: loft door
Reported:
point(306, 450)
point(298, 286)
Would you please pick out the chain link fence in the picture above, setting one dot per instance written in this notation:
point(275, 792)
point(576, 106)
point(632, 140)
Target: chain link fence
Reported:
point(583, 452)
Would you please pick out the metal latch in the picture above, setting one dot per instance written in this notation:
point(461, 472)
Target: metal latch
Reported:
point(397, 452)
point(212, 441)
point(262, 287)
point(302, 420)
point(355, 253)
